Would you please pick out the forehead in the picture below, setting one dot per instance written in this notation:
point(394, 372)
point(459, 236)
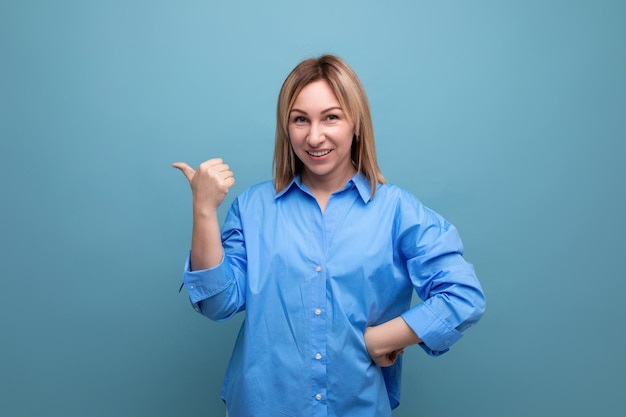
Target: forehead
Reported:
point(316, 93)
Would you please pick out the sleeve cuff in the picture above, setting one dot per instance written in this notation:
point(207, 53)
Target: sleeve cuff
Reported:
point(436, 334)
point(204, 283)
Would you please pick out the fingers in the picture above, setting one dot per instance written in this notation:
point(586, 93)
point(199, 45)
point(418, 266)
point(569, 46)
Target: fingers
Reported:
point(219, 171)
point(214, 166)
point(387, 359)
point(210, 182)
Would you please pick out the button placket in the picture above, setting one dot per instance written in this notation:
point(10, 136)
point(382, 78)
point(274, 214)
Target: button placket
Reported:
point(318, 329)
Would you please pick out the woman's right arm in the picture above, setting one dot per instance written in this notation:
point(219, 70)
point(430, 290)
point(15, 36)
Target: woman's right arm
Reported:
point(210, 184)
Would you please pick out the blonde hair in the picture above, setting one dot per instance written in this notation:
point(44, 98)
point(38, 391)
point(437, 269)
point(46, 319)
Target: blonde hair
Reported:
point(353, 100)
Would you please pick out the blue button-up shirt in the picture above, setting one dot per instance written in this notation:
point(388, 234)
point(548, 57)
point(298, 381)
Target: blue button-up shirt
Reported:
point(311, 282)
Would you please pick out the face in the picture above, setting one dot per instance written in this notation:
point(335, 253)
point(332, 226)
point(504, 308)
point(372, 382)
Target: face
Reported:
point(321, 136)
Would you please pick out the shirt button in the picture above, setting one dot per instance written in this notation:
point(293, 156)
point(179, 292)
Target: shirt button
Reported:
point(318, 311)
point(191, 286)
point(318, 397)
point(318, 268)
point(318, 356)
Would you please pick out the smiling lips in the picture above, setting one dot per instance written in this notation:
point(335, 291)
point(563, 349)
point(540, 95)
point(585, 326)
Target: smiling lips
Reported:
point(319, 153)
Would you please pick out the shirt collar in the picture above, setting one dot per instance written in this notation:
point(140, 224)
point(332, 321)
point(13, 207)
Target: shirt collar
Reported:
point(359, 181)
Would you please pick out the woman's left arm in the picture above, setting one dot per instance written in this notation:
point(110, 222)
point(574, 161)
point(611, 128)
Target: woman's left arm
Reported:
point(452, 299)
point(386, 341)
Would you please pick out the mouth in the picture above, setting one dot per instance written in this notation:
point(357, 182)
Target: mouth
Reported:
point(319, 153)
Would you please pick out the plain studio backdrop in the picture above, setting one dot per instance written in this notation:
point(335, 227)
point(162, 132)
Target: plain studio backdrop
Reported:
point(507, 117)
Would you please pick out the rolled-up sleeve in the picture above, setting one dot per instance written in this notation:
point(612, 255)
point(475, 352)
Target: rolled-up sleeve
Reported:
point(452, 298)
point(212, 292)
point(205, 283)
point(219, 292)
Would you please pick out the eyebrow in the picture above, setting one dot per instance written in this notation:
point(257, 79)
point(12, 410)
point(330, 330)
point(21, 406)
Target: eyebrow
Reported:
point(323, 111)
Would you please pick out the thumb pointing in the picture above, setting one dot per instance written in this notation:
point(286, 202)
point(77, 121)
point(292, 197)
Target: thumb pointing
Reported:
point(185, 169)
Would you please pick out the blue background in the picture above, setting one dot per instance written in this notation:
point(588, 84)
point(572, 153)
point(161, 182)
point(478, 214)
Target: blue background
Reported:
point(507, 117)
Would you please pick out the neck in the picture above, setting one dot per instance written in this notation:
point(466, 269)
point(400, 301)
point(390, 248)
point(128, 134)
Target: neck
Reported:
point(326, 185)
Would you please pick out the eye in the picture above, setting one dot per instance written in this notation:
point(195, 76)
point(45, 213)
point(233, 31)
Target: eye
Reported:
point(299, 119)
point(332, 117)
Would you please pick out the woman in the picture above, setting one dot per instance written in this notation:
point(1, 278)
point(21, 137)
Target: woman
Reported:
point(324, 260)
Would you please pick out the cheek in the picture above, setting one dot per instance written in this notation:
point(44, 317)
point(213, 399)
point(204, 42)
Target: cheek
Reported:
point(295, 136)
point(347, 136)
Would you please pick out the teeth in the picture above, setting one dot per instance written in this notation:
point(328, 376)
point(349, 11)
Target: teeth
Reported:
point(321, 153)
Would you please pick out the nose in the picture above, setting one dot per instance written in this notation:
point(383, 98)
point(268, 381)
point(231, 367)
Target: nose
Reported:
point(316, 136)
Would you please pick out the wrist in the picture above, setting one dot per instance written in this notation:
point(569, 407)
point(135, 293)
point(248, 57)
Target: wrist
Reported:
point(204, 212)
point(372, 341)
point(389, 337)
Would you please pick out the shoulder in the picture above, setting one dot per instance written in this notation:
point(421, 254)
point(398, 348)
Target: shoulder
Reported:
point(393, 194)
point(252, 202)
point(261, 187)
point(408, 208)
point(257, 195)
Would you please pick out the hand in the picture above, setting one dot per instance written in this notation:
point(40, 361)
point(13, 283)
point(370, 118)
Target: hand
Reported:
point(210, 183)
point(379, 356)
point(387, 359)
